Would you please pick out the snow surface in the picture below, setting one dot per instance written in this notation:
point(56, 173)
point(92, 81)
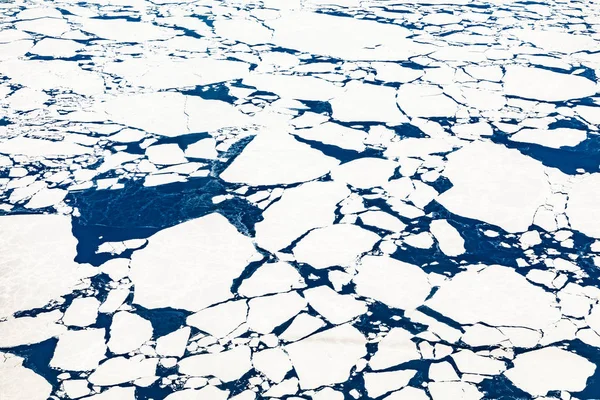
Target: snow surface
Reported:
point(316, 199)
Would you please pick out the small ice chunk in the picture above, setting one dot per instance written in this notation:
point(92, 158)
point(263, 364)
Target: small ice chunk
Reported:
point(127, 136)
point(589, 113)
point(416, 147)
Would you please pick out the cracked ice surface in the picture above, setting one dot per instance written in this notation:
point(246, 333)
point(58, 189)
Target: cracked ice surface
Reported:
point(304, 199)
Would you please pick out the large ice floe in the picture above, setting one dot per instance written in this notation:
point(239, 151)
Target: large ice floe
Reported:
point(302, 199)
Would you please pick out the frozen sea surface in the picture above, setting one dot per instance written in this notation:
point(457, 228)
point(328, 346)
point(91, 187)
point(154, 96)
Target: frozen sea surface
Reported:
point(299, 199)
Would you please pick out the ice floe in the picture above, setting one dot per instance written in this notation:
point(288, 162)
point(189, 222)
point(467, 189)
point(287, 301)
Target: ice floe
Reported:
point(336, 308)
point(338, 244)
point(300, 209)
point(80, 350)
point(271, 278)
point(171, 272)
point(394, 283)
point(496, 185)
point(46, 269)
point(532, 83)
point(268, 312)
point(319, 199)
point(275, 157)
point(82, 312)
point(169, 113)
point(554, 138)
point(19, 382)
point(228, 365)
point(497, 296)
point(450, 241)
point(174, 343)
point(550, 368)
point(117, 370)
point(582, 206)
point(326, 357)
point(128, 332)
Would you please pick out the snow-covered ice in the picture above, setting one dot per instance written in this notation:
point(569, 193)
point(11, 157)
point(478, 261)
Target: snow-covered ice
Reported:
point(307, 199)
